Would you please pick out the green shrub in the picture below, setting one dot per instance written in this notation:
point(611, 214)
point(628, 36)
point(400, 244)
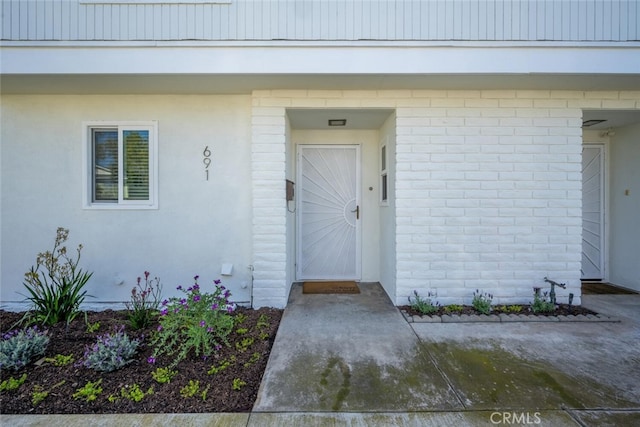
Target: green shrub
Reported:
point(134, 393)
point(199, 322)
point(89, 392)
point(193, 388)
point(513, 309)
point(163, 375)
point(453, 308)
point(91, 327)
point(222, 366)
point(59, 359)
point(540, 303)
point(110, 352)
point(55, 285)
point(482, 302)
point(19, 347)
point(238, 384)
point(145, 301)
point(38, 395)
point(11, 384)
point(423, 305)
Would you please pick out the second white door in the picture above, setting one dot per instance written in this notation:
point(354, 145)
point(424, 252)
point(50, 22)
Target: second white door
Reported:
point(593, 212)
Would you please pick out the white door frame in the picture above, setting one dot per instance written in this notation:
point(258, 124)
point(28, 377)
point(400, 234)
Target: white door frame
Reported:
point(358, 224)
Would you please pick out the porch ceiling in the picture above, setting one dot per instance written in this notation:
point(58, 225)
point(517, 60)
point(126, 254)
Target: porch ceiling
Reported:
point(612, 118)
point(245, 83)
point(368, 118)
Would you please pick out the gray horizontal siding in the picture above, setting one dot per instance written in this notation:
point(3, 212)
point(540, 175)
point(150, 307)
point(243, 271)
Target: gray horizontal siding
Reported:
point(395, 20)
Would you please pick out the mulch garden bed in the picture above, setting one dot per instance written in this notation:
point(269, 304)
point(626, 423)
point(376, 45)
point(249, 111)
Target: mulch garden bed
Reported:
point(561, 310)
point(245, 370)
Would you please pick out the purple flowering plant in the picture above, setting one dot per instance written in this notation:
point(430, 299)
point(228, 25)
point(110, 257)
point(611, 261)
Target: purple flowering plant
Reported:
point(199, 322)
point(19, 347)
point(110, 351)
point(145, 301)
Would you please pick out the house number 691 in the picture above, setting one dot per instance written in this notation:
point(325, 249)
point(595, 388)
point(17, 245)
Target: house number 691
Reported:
point(207, 161)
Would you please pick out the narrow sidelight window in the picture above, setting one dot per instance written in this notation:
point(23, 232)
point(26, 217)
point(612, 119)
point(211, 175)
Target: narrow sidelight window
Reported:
point(383, 175)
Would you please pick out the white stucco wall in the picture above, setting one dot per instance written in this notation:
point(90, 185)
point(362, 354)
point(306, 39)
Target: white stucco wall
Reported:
point(199, 224)
point(624, 197)
point(487, 190)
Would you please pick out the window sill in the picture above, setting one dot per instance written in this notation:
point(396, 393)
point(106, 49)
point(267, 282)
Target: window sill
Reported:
point(116, 207)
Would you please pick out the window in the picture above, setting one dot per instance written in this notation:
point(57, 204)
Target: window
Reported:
point(384, 190)
point(121, 165)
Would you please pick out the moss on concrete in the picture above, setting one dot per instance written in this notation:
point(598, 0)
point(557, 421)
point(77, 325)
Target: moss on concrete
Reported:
point(334, 383)
point(489, 378)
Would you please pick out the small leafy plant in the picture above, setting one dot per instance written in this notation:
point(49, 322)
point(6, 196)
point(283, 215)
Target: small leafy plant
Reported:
point(163, 375)
point(541, 304)
point(111, 351)
point(89, 392)
point(222, 366)
point(91, 327)
point(39, 393)
point(134, 393)
point(262, 325)
point(243, 345)
point(56, 284)
point(482, 302)
point(423, 305)
point(453, 308)
point(254, 358)
point(59, 359)
point(192, 389)
point(145, 301)
point(19, 347)
point(199, 322)
point(11, 383)
point(513, 309)
point(240, 318)
point(238, 384)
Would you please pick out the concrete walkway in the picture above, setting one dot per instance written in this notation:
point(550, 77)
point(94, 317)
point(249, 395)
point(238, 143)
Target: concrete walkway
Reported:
point(357, 354)
point(353, 360)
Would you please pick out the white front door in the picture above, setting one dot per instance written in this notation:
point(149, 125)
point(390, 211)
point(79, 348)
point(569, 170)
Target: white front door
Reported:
point(329, 210)
point(593, 212)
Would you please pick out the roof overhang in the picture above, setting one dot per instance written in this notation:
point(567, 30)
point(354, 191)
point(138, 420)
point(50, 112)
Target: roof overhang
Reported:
point(234, 68)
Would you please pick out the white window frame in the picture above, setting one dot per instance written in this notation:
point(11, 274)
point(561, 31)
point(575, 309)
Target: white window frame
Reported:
point(384, 173)
point(88, 165)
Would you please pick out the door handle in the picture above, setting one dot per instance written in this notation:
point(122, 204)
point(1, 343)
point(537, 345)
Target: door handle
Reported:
point(357, 211)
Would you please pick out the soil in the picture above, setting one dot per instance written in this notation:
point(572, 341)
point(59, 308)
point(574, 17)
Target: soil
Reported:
point(561, 310)
point(63, 381)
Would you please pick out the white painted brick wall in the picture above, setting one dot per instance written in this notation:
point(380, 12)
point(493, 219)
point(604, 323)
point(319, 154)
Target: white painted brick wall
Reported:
point(522, 222)
point(488, 188)
point(269, 209)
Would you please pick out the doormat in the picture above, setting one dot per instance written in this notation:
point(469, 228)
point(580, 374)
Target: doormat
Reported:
point(330, 288)
point(598, 288)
